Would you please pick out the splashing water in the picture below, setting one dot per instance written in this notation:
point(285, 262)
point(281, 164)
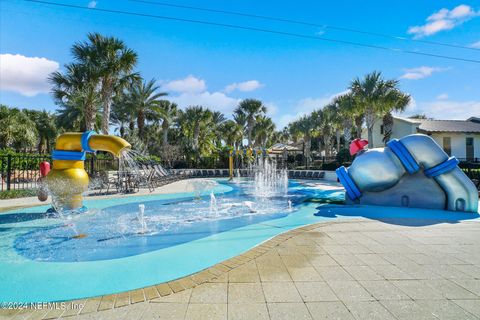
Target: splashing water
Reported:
point(141, 218)
point(213, 204)
point(269, 180)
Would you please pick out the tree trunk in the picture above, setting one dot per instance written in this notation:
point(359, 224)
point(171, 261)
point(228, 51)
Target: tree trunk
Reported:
point(358, 126)
point(131, 126)
point(107, 104)
point(196, 134)
point(387, 127)
point(308, 145)
point(347, 132)
point(337, 133)
point(90, 115)
point(370, 121)
point(140, 123)
point(165, 133)
point(326, 143)
point(249, 132)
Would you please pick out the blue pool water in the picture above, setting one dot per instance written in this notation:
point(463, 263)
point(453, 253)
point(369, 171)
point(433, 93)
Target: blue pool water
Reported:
point(41, 260)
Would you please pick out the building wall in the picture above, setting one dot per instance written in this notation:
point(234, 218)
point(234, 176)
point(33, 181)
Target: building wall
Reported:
point(458, 142)
point(402, 128)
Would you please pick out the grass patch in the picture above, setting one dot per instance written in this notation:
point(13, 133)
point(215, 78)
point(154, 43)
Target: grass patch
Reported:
point(13, 194)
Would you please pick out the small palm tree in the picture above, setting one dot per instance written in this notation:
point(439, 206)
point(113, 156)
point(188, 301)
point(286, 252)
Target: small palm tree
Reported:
point(395, 101)
point(345, 109)
point(251, 109)
point(143, 99)
point(263, 130)
point(168, 115)
point(304, 127)
point(192, 121)
point(18, 130)
point(232, 133)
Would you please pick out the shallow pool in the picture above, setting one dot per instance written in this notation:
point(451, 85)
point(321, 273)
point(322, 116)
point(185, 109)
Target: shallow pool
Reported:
point(113, 248)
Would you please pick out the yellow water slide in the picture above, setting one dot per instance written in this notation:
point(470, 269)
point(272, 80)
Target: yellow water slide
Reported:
point(68, 179)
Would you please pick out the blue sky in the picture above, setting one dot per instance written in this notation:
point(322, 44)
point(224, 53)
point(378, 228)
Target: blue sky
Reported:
point(217, 67)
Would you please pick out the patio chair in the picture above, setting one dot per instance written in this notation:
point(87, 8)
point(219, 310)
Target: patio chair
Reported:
point(315, 175)
point(303, 174)
point(218, 173)
point(309, 175)
point(321, 175)
point(296, 174)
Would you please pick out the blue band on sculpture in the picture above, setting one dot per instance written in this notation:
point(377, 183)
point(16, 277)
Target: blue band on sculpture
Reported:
point(403, 155)
point(350, 187)
point(85, 138)
point(68, 155)
point(442, 168)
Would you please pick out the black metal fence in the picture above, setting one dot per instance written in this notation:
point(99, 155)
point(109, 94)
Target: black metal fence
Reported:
point(21, 172)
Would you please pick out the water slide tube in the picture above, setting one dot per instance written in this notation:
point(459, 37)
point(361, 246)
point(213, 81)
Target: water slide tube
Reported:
point(411, 172)
point(68, 179)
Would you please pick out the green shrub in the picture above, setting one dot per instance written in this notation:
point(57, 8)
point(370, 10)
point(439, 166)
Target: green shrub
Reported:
point(12, 194)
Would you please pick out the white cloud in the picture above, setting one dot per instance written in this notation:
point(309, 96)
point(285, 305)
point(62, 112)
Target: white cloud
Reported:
point(454, 110)
point(305, 106)
point(25, 75)
point(445, 109)
point(92, 4)
point(443, 96)
point(272, 108)
point(420, 72)
point(475, 45)
point(215, 100)
point(245, 86)
point(444, 19)
point(190, 84)
point(192, 91)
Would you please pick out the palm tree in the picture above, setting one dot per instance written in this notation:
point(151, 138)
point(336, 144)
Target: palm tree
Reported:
point(112, 63)
point(263, 130)
point(345, 108)
point(304, 127)
point(75, 92)
point(373, 95)
point(232, 133)
point(168, 115)
point(122, 115)
point(240, 119)
point(325, 127)
point(46, 128)
point(192, 121)
point(143, 99)
point(251, 109)
point(18, 130)
point(395, 101)
point(218, 119)
point(336, 122)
